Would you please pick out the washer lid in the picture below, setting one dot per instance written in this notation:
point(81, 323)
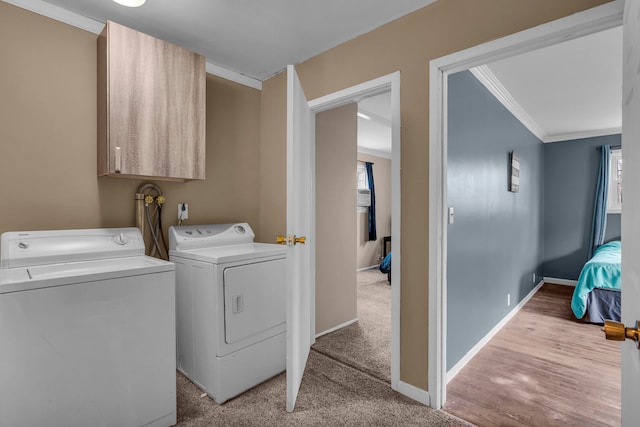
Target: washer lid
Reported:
point(232, 253)
point(68, 273)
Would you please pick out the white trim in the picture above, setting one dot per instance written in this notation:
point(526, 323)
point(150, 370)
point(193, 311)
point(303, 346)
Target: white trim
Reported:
point(579, 24)
point(502, 94)
point(556, 281)
point(371, 267)
point(493, 85)
point(335, 328)
point(373, 87)
point(59, 14)
point(414, 393)
point(583, 134)
point(377, 153)
point(216, 70)
point(91, 25)
point(485, 340)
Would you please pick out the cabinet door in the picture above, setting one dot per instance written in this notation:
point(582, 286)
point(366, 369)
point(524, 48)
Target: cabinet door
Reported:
point(156, 107)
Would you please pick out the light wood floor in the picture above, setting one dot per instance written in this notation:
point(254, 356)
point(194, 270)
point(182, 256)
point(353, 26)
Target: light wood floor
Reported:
point(544, 368)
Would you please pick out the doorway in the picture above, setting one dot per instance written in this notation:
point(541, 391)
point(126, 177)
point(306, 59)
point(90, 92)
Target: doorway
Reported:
point(353, 297)
point(588, 22)
point(389, 83)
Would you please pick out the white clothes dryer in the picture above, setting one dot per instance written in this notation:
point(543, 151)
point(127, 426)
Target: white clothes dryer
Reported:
point(231, 307)
point(87, 330)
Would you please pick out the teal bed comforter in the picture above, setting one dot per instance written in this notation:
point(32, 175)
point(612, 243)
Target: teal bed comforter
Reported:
point(601, 271)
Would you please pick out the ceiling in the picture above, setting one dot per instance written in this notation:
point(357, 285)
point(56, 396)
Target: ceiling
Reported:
point(374, 125)
point(562, 92)
point(566, 91)
point(255, 38)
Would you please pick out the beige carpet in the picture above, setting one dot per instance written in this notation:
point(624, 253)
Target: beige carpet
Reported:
point(346, 381)
point(366, 344)
point(331, 394)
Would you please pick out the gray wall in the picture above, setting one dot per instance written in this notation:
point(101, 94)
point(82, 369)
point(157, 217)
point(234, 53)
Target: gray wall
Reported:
point(570, 176)
point(496, 243)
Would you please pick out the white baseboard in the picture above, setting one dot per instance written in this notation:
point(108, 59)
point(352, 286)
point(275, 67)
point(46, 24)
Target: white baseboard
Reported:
point(335, 328)
point(476, 348)
point(414, 393)
point(556, 281)
point(372, 267)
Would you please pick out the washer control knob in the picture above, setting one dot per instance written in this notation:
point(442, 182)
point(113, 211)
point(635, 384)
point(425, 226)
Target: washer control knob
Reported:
point(120, 239)
point(239, 229)
point(23, 245)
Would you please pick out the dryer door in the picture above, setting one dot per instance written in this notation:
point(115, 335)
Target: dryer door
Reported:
point(254, 299)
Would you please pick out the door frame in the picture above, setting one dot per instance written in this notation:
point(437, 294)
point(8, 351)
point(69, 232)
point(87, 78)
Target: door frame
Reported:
point(580, 24)
point(389, 82)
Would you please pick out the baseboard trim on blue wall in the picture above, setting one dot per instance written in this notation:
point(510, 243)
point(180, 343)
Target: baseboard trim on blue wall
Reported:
point(557, 281)
point(485, 340)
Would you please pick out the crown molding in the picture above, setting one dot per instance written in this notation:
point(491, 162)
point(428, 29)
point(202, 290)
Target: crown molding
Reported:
point(91, 25)
point(59, 14)
point(372, 152)
point(216, 70)
point(582, 135)
point(493, 85)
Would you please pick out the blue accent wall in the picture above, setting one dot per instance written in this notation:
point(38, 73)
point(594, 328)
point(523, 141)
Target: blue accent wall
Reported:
point(500, 239)
point(570, 177)
point(496, 242)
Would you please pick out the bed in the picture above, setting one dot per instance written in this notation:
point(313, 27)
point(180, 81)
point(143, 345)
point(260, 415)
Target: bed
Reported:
point(597, 294)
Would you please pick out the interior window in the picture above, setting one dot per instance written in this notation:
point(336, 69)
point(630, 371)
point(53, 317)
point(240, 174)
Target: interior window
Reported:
point(614, 199)
point(363, 182)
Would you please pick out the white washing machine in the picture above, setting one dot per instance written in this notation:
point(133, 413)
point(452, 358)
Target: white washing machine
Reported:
point(87, 330)
point(231, 307)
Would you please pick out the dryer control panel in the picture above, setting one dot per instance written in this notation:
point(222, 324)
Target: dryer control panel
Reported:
point(210, 235)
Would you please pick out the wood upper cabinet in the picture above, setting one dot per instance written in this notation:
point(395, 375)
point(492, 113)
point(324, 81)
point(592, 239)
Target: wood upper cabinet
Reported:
point(151, 107)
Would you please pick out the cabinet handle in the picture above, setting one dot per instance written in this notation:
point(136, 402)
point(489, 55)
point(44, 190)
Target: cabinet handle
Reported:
point(118, 160)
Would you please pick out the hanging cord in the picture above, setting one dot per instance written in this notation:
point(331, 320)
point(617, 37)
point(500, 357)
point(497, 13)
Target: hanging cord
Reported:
point(153, 215)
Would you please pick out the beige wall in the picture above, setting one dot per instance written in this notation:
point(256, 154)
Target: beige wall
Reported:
point(336, 142)
point(369, 253)
point(48, 175)
point(273, 154)
point(407, 44)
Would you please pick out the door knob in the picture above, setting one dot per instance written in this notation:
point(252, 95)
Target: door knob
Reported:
point(290, 240)
point(616, 331)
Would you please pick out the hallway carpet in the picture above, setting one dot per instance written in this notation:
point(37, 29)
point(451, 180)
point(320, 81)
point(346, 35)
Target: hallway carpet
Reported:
point(331, 394)
point(365, 344)
point(346, 381)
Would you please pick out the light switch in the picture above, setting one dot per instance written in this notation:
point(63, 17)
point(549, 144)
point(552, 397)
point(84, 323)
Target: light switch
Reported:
point(450, 215)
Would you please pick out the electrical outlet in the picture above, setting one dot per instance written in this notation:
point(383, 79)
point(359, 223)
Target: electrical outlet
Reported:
point(379, 257)
point(183, 211)
point(508, 300)
point(534, 277)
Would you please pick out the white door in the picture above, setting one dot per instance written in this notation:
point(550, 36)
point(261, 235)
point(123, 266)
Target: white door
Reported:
point(630, 210)
point(300, 170)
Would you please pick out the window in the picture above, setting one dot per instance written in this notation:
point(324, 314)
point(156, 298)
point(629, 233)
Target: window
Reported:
point(363, 182)
point(614, 199)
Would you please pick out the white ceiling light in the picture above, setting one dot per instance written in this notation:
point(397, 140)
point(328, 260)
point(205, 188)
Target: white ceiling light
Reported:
point(364, 116)
point(130, 3)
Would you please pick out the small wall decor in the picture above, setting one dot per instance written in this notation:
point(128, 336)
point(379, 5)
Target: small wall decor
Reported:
point(514, 179)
